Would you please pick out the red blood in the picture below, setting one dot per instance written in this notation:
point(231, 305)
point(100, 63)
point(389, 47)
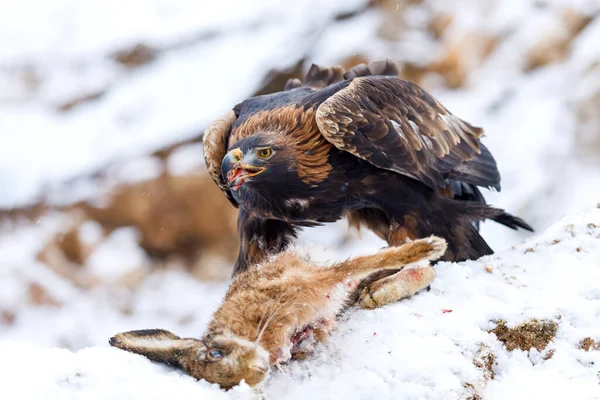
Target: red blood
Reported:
point(299, 336)
point(234, 174)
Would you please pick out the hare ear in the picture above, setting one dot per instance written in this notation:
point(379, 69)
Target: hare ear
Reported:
point(157, 344)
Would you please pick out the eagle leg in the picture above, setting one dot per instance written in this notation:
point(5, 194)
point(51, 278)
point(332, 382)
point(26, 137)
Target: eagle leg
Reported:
point(259, 238)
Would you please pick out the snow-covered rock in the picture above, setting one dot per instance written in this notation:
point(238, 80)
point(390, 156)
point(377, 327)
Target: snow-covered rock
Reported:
point(435, 345)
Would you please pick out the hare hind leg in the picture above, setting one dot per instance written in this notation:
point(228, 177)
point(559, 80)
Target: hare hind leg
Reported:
point(395, 257)
point(400, 285)
point(408, 280)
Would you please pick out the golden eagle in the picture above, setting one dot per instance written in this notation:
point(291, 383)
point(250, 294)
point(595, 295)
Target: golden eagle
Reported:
point(361, 143)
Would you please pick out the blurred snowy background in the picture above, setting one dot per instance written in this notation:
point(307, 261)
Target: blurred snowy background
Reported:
point(108, 220)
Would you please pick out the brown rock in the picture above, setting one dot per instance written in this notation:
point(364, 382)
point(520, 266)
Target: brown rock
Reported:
point(79, 100)
point(554, 46)
point(393, 24)
point(38, 295)
point(353, 60)
point(135, 56)
point(175, 214)
point(72, 248)
point(7, 317)
point(439, 24)
point(463, 53)
point(54, 258)
point(179, 217)
point(415, 73)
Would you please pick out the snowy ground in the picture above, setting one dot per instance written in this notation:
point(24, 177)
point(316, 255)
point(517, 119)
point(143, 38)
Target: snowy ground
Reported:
point(210, 55)
point(426, 347)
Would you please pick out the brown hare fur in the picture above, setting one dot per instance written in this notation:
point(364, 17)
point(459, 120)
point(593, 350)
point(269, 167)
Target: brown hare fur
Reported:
point(276, 310)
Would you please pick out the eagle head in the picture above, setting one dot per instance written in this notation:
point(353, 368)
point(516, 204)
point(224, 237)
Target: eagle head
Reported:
point(255, 164)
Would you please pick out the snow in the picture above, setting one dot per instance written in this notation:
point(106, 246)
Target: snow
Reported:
point(209, 56)
point(121, 244)
point(187, 160)
point(94, 373)
point(422, 347)
point(137, 169)
point(171, 99)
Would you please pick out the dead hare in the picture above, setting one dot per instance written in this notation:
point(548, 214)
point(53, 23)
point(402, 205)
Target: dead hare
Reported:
point(278, 310)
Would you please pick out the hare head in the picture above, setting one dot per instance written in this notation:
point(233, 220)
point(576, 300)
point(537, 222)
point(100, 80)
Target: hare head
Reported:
point(221, 358)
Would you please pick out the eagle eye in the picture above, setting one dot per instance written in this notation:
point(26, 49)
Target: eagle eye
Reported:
point(265, 153)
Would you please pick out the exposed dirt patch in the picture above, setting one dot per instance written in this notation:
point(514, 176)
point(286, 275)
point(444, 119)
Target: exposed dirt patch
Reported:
point(471, 390)
point(549, 354)
point(7, 317)
point(135, 56)
point(554, 46)
point(38, 295)
point(588, 344)
point(485, 360)
point(531, 333)
point(80, 100)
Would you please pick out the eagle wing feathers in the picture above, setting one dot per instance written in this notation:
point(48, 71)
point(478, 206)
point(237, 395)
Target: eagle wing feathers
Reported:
point(396, 125)
point(214, 142)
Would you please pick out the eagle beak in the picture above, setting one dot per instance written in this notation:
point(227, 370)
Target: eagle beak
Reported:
point(235, 172)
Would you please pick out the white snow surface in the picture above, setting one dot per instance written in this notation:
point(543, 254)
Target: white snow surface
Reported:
point(419, 348)
point(211, 55)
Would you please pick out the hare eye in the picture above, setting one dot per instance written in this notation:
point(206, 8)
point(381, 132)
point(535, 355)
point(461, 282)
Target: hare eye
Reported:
point(216, 354)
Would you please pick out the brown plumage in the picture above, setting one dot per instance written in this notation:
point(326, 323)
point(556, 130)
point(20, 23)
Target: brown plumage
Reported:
point(278, 310)
point(215, 143)
point(361, 143)
point(395, 125)
point(311, 147)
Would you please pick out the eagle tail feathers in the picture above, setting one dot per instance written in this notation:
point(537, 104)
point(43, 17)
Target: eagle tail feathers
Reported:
point(511, 221)
point(464, 240)
point(476, 211)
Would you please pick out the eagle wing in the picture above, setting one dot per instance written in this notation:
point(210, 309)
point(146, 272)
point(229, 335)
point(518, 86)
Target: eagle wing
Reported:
point(214, 142)
point(396, 125)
